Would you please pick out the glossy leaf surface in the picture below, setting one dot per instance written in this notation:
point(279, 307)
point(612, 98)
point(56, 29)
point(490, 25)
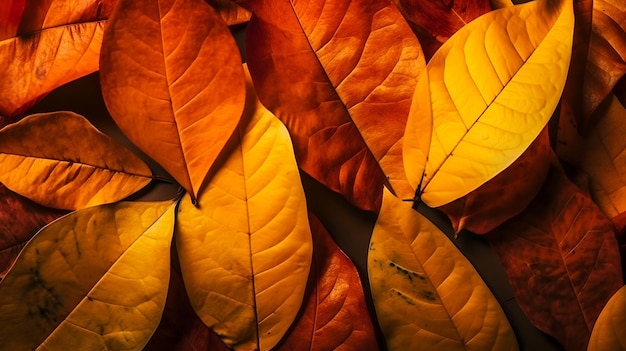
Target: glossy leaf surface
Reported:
point(562, 259)
point(81, 168)
point(46, 44)
point(340, 74)
point(427, 295)
point(608, 333)
point(246, 250)
point(95, 279)
point(165, 67)
point(492, 86)
point(335, 316)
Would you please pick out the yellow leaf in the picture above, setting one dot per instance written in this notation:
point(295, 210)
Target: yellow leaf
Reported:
point(95, 279)
point(245, 252)
point(171, 77)
point(609, 332)
point(60, 160)
point(426, 294)
point(493, 86)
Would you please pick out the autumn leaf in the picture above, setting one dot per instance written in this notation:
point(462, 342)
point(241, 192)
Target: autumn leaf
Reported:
point(95, 279)
point(230, 11)
point(620, 91)
point(20, 219)
point(514, 188)
point(562, 259)
point(245, 251)
point(608, 333)
point(81, 167)
point(340, 75)
point(619, 222)
point(172, 80)
point(335, 315)
point(492, 88)
point(427, 295)
point(435, 21)
point(46, 44)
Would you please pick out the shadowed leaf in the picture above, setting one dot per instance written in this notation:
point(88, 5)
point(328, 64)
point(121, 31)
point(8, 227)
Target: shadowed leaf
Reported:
point(231, 13)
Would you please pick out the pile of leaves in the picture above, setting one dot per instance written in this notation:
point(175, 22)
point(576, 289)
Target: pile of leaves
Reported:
point(509, 119)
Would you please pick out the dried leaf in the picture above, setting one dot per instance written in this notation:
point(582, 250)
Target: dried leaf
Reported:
point(505, 195)
point(172, 80)
point(49, 43)
point(608, 333)
point(340, 74)
point(492, 86)
point(335, 316)
point(245, 251)
point(562, 259)
point(95, 279)
point(427, 295)
point(20, 219)
point(230, 11)
point(81, 168)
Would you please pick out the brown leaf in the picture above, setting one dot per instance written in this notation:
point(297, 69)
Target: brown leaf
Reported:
point(340, 75)
point(620, 91)
point(335, 316)
point(20, 219)
point(505, 195)
point(619, 222)
point(172, 80)
point(562, 259)
point(435, 21)
point(230, 11)
point(47, 44)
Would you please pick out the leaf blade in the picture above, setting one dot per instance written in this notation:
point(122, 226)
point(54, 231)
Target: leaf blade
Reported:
point(607, 333)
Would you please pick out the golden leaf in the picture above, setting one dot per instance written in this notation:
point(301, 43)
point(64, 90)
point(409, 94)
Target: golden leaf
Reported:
point(608, 332)
point(427, 295)
point(60, 160)
point(245, 252)
point(172, 79)
point(492, 86)
point(95, 279)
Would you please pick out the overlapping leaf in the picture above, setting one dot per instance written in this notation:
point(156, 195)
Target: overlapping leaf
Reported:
point(172, 79)
point(45, 44)
point(492, 88)
point(95, 279)
point(608, 333)
point(245, 251)
point(562, 259)
point(230, 11)
point(335, 315)
point(340, 74)
point(79, 167)
point(427, 295)
point(20, 219)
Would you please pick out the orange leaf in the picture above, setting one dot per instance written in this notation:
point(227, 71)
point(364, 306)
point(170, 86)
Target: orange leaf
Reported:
point(230, 12)
point(335, 315)
point(341, 75)
point(562, 259)
point(172, 80)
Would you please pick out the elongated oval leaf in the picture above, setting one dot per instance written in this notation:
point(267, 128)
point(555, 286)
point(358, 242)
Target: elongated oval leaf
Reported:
point(172, 79)
point(335, 315)
point(60, 160)
point(492, 86)
point(245, 251)
point(608, 333)
point(427, 295)
point(562, 259)
point(95, 279)
point(51, 43)
point(340, 74)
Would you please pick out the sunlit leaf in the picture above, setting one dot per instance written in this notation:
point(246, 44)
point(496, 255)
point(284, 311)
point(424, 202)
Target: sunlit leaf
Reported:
point(60, 160)
point(245, 251)
point(95, 279)
point(20, 219)
point(562, 259)
point(609, 331)
point(230, 12)
point(505, 195)
point(427, 295)
point(492, 86)
point(340, 74)
point(172, 80)
point(49, 43)
point(335, 316)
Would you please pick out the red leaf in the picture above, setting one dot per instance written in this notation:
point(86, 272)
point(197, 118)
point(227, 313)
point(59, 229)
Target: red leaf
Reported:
point(335, 316)
point(562, 259)
point(20, 219)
